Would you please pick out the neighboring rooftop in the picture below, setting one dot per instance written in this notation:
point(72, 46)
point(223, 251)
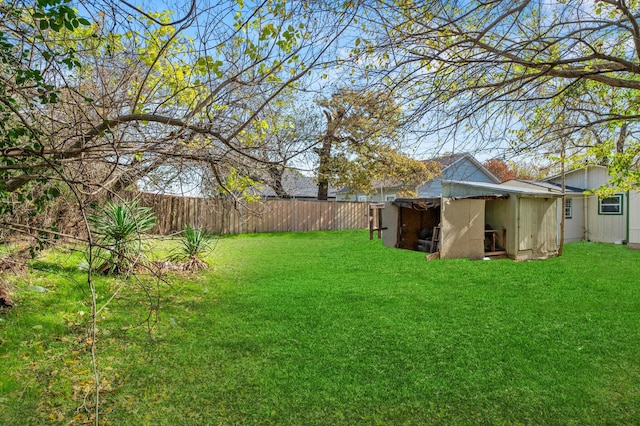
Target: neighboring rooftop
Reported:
point(296, 185)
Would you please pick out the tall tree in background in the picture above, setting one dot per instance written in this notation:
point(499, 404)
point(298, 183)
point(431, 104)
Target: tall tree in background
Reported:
point(360, 142)
point(500, 169)
point(506, 170)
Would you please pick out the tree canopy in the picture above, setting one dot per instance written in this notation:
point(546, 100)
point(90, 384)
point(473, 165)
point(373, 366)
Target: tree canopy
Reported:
point(360, 143)
point(97, 97)
point(506, 71)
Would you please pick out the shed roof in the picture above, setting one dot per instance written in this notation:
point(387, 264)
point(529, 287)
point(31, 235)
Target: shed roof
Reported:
point(548, 185)
point(417, 203)
point(490, 189)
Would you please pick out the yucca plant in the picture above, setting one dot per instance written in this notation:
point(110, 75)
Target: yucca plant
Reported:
point(118, 227)
point(194, 244)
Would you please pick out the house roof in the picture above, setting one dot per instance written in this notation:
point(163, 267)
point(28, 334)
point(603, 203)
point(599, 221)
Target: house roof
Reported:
point(444, 161)
point(447, 161)
point(296, 185)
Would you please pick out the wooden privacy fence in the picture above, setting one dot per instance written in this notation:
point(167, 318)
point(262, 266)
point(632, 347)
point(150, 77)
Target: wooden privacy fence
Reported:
point(222, 217)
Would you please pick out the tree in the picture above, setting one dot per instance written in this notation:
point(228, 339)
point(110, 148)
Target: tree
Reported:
point(287, 142)
point(99, 104)
point(90, 105)
point(500, 169)
point(507, 170)
point(360, 142)
point(492, 68)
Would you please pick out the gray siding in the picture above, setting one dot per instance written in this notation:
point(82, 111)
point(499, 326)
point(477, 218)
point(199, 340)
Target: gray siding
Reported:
point(373, 197)
point(465, 170)
point(462, 170)
point(430, 189)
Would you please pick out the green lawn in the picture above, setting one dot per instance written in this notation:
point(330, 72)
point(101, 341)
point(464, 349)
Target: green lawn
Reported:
point(330, 328)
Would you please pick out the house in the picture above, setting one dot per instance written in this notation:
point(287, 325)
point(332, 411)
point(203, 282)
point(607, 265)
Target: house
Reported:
point(476, 219)
point(382, 191)
point(462, 167)
point(613, 219)
point(295, 184)
point(456, 167)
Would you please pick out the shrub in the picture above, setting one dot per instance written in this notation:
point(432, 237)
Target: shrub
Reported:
point(194, 244)
point(119, 227)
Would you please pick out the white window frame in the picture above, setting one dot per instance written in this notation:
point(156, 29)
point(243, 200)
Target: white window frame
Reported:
point(390, 198)
point(362, 198)
point(568, 208)
point(606, 203)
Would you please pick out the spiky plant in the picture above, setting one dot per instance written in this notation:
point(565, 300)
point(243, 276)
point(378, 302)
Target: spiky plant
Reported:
point(194, 244)
point(118, 227)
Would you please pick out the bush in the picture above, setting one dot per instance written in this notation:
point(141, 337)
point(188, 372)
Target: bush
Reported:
point(118, 227)
point(194, 244)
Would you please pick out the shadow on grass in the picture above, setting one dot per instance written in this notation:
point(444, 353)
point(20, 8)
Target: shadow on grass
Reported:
point(53, 267)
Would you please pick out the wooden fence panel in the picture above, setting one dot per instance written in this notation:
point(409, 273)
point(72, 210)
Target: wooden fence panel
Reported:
point(223, 217)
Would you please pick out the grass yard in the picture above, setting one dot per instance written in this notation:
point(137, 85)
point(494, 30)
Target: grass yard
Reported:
point(330, 328)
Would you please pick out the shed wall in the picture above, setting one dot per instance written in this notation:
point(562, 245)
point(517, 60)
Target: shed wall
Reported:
point(538, 228)
point(500, 214)
point(462, 229)
point(634, 219)
point(390, 221)
point(605, 228)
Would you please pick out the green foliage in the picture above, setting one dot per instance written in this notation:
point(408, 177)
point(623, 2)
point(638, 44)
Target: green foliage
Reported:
point(195, 243)
point(24, 88)
point(552, 76)
point(118, 227)
point(361, 142)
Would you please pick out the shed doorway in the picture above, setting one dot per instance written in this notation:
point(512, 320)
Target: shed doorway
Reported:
point(417, 220)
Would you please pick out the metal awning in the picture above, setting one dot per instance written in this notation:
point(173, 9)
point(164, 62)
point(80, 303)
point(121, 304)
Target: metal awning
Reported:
point(417, 203)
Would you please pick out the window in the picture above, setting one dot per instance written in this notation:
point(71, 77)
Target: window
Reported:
point(390, 198)
point(610, 205)
point(567, 208)
point(362, 198)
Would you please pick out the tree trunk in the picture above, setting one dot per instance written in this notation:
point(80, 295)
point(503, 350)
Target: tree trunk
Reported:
point(621, 139)
point(324, 166)
point(275, 178)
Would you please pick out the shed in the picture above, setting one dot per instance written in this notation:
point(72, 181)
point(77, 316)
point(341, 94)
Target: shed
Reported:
point(477, 219)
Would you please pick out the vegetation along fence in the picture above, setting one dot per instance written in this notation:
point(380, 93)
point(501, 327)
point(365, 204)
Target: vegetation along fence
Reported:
point(223, 217)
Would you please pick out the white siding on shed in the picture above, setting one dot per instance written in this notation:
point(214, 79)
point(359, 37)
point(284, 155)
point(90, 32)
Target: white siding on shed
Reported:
point(634, 219)
point(538, 226)
point(605, 228)
point(574, 225)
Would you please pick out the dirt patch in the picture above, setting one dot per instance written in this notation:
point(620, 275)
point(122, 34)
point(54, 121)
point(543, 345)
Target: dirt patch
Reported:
point(15, 263)
point(5, 296)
